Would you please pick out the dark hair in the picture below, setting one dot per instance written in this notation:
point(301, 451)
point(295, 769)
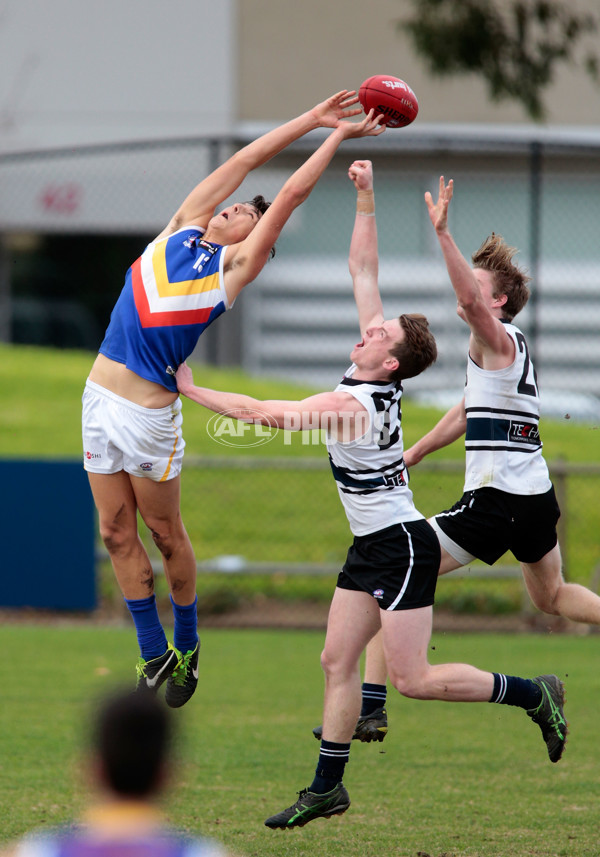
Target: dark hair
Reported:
point(132, 738)
point(417, 351)
point(260, 204)
point(495, 256)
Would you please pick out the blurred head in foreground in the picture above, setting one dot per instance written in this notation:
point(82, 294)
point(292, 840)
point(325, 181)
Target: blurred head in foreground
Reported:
point(131, 743)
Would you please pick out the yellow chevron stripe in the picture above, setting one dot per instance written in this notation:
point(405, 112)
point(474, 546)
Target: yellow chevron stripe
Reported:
point(166, 289)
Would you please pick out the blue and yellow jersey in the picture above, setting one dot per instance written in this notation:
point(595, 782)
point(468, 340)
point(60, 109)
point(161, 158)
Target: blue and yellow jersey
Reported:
point(171, 294)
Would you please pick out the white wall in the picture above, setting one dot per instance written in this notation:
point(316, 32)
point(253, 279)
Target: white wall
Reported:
point(75, 71)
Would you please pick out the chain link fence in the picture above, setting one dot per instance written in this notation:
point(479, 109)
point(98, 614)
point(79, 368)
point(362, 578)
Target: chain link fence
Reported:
point(72, 221)
point(270, 537)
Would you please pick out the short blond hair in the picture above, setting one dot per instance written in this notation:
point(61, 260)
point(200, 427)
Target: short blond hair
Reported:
point(508, 279)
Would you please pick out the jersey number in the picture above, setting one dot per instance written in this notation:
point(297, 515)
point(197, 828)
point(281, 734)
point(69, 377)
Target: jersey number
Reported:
point(383, 402)
point(525, 387)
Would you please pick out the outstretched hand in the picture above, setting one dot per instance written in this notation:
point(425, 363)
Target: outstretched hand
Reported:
point(438, 213)
point(361, 174)
point(369, 127)
point(329, 113)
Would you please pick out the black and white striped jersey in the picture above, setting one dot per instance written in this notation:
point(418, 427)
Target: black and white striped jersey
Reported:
point(370, 473)
point(502, 439)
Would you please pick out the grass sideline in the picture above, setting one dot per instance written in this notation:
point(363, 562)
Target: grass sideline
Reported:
point(450, 780)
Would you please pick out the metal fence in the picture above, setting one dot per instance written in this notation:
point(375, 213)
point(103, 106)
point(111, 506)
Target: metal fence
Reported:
point(72, 221)
point(300, 320)
point(270, 535)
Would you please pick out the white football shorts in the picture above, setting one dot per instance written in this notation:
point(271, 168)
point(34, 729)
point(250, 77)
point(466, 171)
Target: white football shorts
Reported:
point(120, 435)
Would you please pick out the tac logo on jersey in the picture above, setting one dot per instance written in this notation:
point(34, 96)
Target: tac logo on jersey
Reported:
point(396, 479)
point(524, 432)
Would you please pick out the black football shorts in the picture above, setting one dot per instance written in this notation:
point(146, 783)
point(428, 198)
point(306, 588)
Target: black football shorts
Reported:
point(398, 566)
point(486, 523)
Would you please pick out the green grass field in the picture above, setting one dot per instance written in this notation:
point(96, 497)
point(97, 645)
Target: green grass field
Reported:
point(450, 780)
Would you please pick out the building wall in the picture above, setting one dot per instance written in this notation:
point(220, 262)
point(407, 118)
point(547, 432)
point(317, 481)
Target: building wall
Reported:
point(292, 55)
point(220, 74)
point(299, 320)
point(74, 72)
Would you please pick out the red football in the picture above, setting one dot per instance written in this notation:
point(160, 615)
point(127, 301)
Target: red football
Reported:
point(390, 96)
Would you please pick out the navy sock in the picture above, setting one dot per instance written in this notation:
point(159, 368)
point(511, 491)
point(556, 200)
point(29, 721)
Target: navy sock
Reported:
point(185, 632)
point(330, 768)
point(373, 697)
point(150, 634)
point(512, 690)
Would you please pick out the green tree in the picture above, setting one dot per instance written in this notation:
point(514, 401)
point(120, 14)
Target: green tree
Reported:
point(515, 45)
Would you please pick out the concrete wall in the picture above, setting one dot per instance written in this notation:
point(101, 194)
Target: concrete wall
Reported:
point(294, 54)
point(76, 72)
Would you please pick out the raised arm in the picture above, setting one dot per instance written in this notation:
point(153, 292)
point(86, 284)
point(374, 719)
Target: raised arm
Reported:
point(486, 329)
point(451, 426)
point(245, 260)
point(199, 206)
point(363, 260)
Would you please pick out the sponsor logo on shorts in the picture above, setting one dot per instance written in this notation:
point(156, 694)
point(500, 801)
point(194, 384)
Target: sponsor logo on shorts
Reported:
point(90, 455)
point(146, 465)
point(378, 593)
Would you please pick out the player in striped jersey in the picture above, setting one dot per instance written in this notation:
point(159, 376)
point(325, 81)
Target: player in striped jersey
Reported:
point(133, 445)
point(391, 570)
point(509, 502)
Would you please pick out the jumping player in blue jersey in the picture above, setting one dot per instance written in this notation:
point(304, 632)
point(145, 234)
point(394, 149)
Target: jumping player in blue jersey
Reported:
point(129, 764)
point(509, 502)
point(391, 571)
point(132, 439)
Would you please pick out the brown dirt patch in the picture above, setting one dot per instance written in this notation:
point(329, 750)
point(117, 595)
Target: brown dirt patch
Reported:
point(304, 615)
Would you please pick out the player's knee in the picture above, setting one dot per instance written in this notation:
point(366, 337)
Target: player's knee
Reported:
point(547, 601)
point(334, 667)
point(408, 685)
point(163, 540)
point(326, 662)
point(167, 535)
point(547, 597)
point(117, 540)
